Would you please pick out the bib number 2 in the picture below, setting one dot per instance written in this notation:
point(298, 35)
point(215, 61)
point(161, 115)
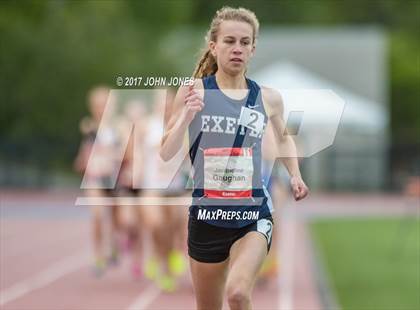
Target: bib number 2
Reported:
point(252, 119)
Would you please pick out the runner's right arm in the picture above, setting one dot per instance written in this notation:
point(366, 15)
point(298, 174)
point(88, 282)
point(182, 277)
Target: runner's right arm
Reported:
point(188, 101)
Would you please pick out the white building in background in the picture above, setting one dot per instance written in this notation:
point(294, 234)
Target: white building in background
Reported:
point(352, 62)
point(356, 159)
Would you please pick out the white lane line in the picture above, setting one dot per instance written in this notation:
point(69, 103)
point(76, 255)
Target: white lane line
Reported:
point(44, 277)
point(145, 298)
point(287, 251)
point(325, 290)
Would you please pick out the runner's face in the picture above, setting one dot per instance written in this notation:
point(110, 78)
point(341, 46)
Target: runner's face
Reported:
point(234, 46)
point(98, 103)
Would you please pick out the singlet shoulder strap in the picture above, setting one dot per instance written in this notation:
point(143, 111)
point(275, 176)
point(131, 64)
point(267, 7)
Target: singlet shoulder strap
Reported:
point(209, 82)
point(254, 90)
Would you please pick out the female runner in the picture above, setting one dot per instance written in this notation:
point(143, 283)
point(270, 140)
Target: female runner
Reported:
point(98, 174)
point(225, 113)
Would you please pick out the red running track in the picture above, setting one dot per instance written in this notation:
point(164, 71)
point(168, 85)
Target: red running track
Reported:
point(45, 263)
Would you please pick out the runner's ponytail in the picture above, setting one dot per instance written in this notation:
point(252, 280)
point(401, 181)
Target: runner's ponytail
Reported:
point(206, 66)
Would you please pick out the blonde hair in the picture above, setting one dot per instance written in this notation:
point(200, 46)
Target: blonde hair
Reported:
point(207, 64)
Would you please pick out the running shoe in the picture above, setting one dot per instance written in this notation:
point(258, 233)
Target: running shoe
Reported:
point(99, 267)
point(176, 263)
point(113, 258)
point(166, 283)
point(269, 268)
point(151, 269)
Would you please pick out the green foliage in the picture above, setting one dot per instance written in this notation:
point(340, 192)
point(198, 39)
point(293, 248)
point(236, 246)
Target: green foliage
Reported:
point(405, 91)
point(53, 52)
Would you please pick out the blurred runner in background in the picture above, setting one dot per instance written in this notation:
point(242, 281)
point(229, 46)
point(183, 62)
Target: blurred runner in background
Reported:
point(166, 223)
point(130, 179)
point(98, 171)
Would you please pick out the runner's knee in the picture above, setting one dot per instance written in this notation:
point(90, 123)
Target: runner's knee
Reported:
point(238, 297)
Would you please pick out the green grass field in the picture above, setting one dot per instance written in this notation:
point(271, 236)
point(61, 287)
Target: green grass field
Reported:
point(372, 263)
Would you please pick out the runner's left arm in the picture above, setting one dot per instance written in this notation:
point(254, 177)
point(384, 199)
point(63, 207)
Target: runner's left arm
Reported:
point(273, 104)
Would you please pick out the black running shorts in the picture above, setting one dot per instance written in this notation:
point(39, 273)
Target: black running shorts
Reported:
point(211, 244)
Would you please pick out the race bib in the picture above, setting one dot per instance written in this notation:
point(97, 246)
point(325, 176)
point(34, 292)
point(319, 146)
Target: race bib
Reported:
point(228, 172)
point(252, 119)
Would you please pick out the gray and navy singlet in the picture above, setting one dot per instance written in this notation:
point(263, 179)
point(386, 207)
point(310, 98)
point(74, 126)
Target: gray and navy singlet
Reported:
point(214, 138)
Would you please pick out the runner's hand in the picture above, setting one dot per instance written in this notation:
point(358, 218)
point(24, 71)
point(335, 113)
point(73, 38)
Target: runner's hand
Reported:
point(299, 188)
point(193, 103)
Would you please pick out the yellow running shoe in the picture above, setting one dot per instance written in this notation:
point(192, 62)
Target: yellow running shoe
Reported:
point(166, 283)
point(269, 268)
point(151, 269)
point(99, 267)
point(176, 263)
